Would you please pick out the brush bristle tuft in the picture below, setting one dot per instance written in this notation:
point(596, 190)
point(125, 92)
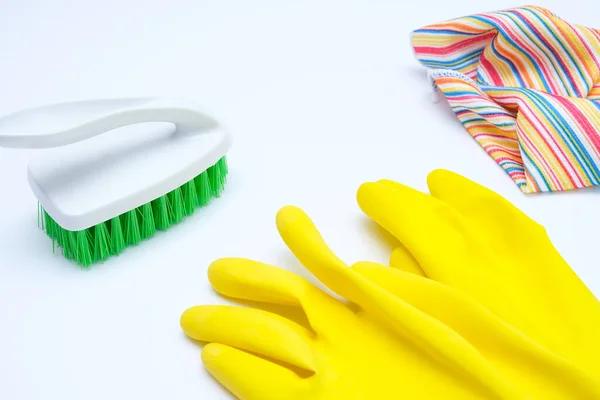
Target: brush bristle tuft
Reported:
point(110, 238)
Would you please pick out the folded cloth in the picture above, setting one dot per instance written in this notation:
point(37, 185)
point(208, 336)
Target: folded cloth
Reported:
point(526, 86)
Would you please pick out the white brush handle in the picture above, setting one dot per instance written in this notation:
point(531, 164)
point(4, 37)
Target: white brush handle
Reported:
point(61, 124)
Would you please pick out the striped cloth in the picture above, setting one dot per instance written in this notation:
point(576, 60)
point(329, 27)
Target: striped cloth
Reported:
point(526, 86)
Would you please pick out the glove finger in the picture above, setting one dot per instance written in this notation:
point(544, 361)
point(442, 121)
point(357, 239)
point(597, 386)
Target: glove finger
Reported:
point(252, 330)
point(403, 260)
point(254, 281)
point(250, 377)
point(304, 240)
point(431, 230)
point(448, 305)
point(401, 257)
point(478, 203)
point(427, 333)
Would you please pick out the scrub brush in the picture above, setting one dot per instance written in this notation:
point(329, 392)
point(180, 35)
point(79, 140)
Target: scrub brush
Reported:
point(118, 170)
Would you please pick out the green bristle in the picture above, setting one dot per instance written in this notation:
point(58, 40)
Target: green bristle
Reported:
point(202, 184)
point(122, 220)
point(138, 213)
point(52, 229)
point(132, 228)
point(101, 242)
point(57, 234)
point(223, 165)
point(148, 227)
point(178, 211)
point(83, 251)
point(216, 175)
point(72, 241)
point(190, 197)
point(63, 240)
point(63, 235)
point(117, 242)
point(161, 213)
point(111, 237)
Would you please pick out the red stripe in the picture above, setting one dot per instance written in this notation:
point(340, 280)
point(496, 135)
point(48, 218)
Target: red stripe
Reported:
point(516, 156)
point(491, 71)
point(457, 46)
point(495, 136)
point(504, 158)
point(498, 115)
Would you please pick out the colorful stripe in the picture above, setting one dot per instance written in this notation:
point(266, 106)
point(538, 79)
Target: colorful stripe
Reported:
point(526, 86)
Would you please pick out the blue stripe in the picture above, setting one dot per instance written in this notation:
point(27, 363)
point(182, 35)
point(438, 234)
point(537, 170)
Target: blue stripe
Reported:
point(449, 64)
point(444, 31)
point(475, 119)
point(460, 93)
point(514, 169)
point(462, 59)
point(486, 113)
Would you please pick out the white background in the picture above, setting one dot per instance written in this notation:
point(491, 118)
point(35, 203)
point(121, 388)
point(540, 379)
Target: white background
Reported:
point(319, 96)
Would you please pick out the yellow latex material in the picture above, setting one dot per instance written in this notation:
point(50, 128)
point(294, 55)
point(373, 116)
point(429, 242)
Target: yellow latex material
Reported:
point(379, 348)
point(472, 239)
point(402, 336)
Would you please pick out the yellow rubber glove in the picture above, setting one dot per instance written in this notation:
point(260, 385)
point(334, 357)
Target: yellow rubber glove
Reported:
point(387, 346)
point(472, 239)
point(381, 347)
point(537, 372)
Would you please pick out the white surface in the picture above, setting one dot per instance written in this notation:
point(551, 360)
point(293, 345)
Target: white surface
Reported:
point(319, 95)
point(112, 155)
